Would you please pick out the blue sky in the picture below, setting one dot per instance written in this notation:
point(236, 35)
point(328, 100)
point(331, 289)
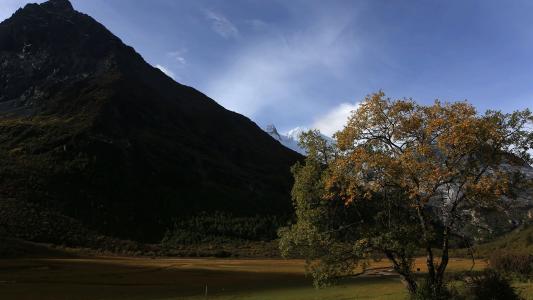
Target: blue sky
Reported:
point(307, 63)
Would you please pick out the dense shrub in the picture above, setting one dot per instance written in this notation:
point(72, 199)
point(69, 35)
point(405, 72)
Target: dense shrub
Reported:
point(489, 285)
point(222, 227)
point(424, 292)
point(483, 285)
point(529, 239)
point(516, 264)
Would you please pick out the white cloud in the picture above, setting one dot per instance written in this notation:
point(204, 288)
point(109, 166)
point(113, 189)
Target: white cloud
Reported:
point(221, 25)
point(178, 56)
point(257, 24)
point(166, 71)
point(274, 72)
point(335, 119)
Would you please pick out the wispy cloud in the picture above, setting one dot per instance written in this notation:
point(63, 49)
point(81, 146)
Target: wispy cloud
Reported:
point(166, 71)
point(257, 24)
point(178, 56)
point(221, 25)
point(273, 72)
point(335, 119)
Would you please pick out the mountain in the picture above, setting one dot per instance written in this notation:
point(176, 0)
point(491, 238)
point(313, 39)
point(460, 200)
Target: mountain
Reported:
point(510, 211)
point(89, 130)
point(291, 138)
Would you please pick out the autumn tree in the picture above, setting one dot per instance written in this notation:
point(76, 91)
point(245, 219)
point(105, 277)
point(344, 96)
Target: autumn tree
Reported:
point(402, 178)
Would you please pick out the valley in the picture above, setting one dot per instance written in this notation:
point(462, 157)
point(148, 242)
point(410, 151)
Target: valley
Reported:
point(182, 278)
point(120, 180)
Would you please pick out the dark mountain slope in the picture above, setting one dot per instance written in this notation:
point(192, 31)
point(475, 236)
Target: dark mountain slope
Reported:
point(89, 129)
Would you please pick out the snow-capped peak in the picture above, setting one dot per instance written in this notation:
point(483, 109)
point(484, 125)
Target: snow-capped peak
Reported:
point(271, 129)
point(296, 132)
point(289, 140)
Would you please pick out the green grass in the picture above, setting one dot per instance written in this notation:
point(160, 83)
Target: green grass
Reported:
point(360, 288)
point(520, 239)
point(131, 278)
point(172, 279)
point(526, 289)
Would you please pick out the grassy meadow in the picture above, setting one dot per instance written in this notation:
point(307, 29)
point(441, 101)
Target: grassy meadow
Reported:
point(145, 278)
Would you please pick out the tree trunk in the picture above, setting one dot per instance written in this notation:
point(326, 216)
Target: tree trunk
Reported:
point(430, 261)
point(444, 258)
point(410, 283)
point(406, 276)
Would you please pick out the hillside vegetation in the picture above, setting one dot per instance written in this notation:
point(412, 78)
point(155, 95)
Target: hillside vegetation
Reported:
point(91, 132)
point(520, 239)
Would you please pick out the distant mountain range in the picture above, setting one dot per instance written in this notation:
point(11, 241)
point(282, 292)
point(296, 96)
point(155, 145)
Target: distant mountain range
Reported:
point(291, 138)
point(92, 132)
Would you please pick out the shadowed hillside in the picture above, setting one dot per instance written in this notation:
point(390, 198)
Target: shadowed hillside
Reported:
point(90, 130)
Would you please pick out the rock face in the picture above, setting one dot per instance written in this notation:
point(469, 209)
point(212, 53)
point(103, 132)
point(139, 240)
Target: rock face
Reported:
point(481, 222)
point(89, 129)
point(511, 211)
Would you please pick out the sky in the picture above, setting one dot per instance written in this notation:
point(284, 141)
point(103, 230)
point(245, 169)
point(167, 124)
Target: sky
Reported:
point(307, 63)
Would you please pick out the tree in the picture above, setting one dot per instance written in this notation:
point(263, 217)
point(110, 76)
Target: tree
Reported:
point(402, 177)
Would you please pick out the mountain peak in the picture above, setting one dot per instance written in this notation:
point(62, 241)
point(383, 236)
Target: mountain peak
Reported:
point(296, 132)
point(288, 141)
point(271, 129)
point(58, 4)
point(292, 137)
point(132, 150)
